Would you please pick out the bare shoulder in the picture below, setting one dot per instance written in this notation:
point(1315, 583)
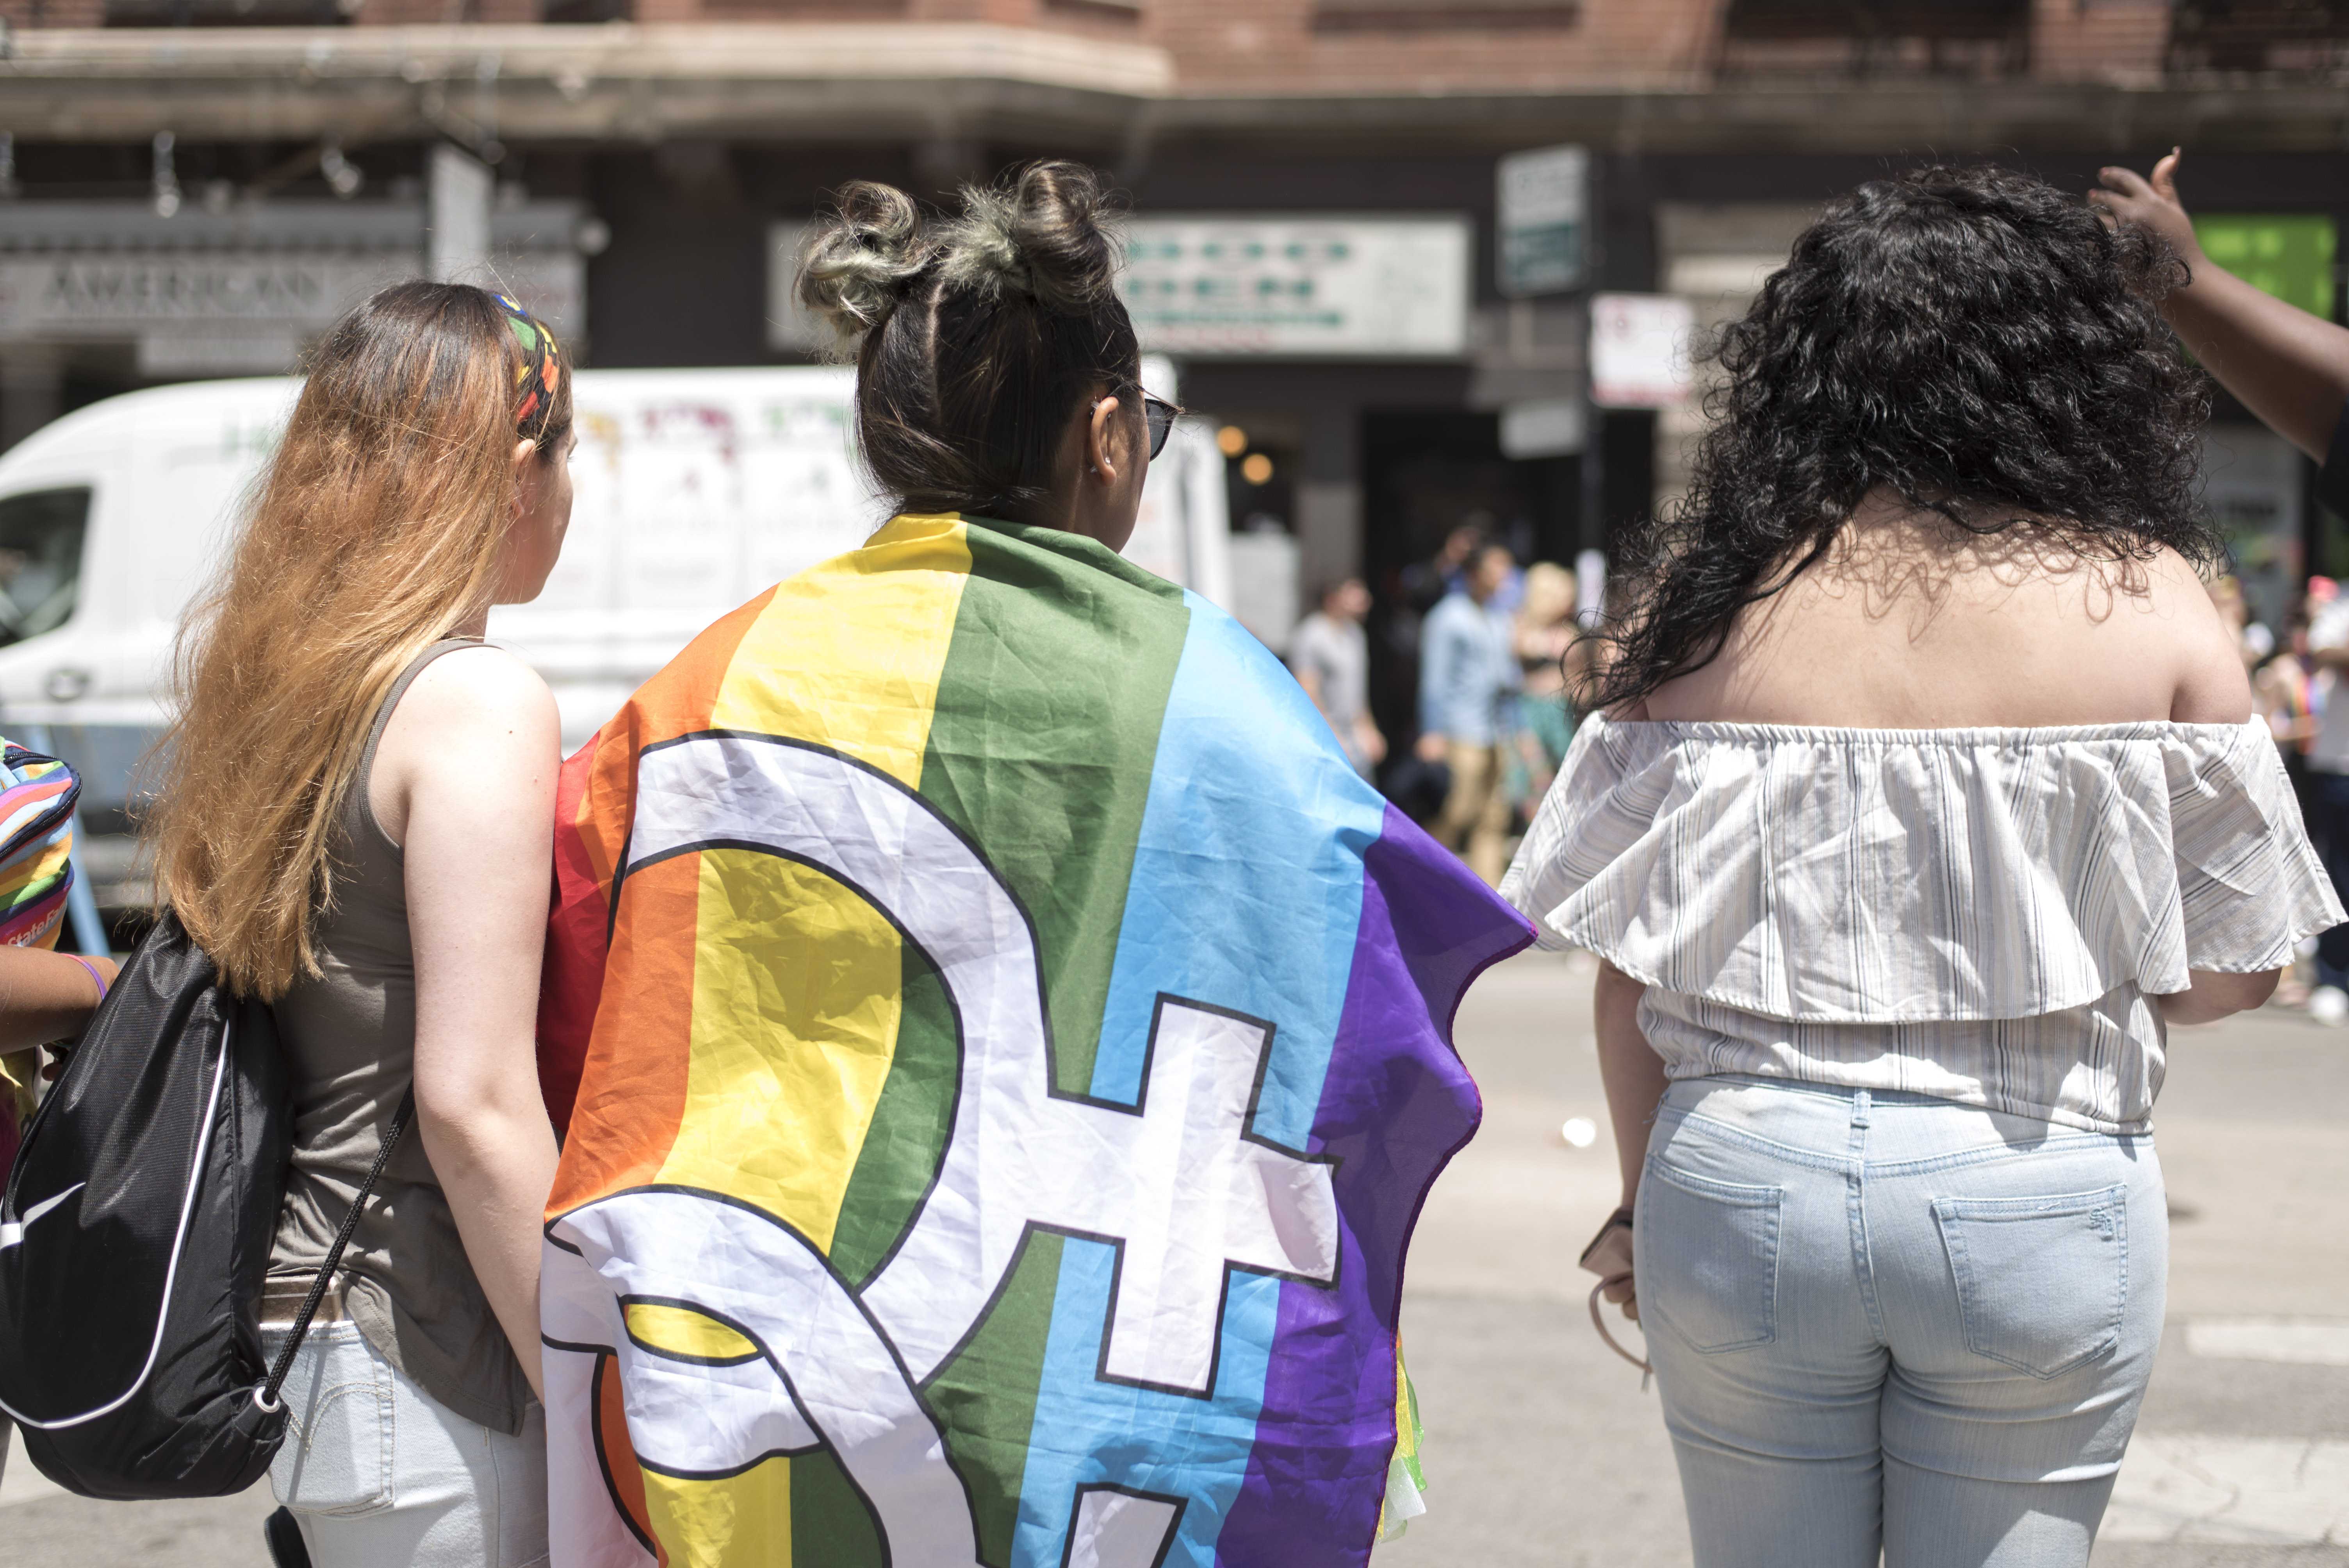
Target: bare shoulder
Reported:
point(2173, 583)
point(477, 728)
point(480, 693)
point(2180, 602)
point(2212, 686)
point(485, 679)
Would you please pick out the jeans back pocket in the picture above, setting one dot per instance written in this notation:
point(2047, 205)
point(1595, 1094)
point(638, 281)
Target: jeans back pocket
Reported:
point(1708, 1263)
point(337, 1455)
point(2042, 1282)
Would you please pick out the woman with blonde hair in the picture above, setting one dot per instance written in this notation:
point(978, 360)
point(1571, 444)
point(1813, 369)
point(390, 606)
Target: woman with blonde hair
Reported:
point(356, 827)
point(1548, 641)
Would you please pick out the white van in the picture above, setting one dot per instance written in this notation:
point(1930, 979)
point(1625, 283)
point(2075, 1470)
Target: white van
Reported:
point(696, 489)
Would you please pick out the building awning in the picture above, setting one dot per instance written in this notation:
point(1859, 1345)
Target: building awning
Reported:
point(839, 81)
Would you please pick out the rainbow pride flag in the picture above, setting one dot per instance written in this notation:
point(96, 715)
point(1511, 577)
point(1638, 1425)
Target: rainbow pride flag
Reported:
point(1004, 1048)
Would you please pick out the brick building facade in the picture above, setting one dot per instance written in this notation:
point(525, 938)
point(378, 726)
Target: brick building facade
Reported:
point(654, 151)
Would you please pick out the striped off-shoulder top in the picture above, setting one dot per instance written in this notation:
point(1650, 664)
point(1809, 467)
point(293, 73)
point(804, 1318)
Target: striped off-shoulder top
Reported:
point(1977, 915)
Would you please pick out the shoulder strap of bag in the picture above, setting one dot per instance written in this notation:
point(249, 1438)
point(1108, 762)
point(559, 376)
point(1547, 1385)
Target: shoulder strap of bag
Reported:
point(266, 1396)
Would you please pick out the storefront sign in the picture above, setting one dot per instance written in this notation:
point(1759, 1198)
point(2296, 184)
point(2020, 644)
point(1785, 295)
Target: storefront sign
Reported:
point(1544, 427)
point(1640, 350)
point(199, 297)
point(1299, 288)
point(101, 295)
point(1543, 222)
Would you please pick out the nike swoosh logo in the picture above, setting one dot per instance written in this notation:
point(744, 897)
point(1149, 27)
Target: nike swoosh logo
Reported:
point(11, 1234)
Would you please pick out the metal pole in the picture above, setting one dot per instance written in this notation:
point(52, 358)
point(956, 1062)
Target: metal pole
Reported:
point(81, 904)
point(1593, 527)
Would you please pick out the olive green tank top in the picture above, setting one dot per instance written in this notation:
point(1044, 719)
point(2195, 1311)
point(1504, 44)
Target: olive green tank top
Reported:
point(349, 1041)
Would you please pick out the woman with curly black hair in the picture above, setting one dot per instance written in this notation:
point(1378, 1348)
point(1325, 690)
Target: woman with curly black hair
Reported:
point(1922, 799)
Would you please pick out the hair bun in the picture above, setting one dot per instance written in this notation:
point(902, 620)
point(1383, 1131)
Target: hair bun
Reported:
point(858, 259)
point(1047, 229)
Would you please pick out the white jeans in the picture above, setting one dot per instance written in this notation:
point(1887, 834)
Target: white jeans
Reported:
point(381, 1475)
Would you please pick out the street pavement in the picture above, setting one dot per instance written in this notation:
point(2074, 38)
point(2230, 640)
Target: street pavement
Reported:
point(1542, 1450)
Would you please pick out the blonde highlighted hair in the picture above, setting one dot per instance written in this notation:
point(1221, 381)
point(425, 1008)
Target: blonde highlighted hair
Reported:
point(377, 529)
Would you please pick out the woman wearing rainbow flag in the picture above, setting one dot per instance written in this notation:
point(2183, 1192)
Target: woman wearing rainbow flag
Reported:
point(1003, 1043)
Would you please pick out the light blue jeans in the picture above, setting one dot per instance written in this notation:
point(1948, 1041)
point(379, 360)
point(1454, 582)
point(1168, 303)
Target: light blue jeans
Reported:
point(380, 1474)
point(1883, 1321)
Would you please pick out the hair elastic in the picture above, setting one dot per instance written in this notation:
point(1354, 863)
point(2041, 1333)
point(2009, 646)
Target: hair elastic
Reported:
point(96, 978)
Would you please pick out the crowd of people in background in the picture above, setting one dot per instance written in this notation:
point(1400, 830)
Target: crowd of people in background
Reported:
point(1495, 653)
point(1497, 650)
point(2295, 682)
point(1500, 655)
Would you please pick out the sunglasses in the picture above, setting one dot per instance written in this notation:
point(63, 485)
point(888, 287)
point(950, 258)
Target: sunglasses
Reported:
point(1158, 415)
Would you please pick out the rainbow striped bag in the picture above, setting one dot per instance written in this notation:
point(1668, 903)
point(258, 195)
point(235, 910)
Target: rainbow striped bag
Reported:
point(36, 805)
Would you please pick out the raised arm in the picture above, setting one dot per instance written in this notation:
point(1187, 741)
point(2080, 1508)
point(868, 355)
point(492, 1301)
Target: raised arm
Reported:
point(471, 758)
point(2287, 367)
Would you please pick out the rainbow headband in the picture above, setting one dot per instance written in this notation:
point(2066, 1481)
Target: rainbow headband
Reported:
point(540, 371)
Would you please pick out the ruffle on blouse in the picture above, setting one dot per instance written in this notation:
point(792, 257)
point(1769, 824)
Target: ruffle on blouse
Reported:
point(1892, 876)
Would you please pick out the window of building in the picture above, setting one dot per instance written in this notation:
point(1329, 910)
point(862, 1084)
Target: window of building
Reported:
point(40, 560)
point(1878, 38)
point(2273, 37)
point(228, 13)
point(803, 10)
point(1422, 15)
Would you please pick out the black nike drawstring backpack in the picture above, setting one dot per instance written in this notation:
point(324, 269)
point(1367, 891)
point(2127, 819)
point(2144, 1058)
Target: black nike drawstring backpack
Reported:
point(135, 1234)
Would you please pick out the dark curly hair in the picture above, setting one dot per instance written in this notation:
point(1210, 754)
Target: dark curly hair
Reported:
point(1971, 338)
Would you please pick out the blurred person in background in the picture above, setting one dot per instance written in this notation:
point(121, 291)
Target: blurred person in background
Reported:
point(2291, 369)
point(356, 822)
point(2325, 772)
point(1416, 784)
point(2286, 695)
point(1331, 658)
point(2253, 639)
point(1548, 641)
point(1426, 583)
point(2282, 691)
point(1876, 836)
point(1468, 680)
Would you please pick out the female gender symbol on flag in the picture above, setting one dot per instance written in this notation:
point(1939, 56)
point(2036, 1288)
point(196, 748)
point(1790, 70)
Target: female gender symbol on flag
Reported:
point(1011, 1047)
point(1177, 1182)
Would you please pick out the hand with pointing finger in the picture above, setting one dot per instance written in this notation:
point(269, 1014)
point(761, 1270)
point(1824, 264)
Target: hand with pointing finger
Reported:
point(2151, 203)
point(2290, 368)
